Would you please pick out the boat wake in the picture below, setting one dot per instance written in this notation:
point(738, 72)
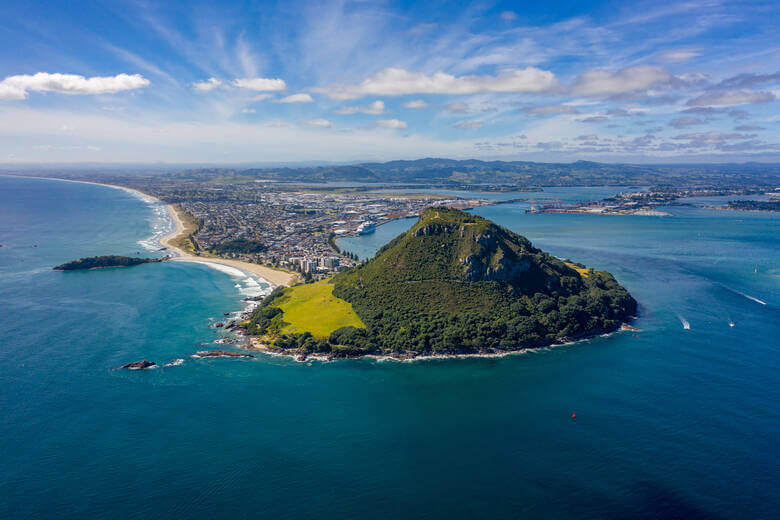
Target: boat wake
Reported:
point(685, 323)
point(752, 298)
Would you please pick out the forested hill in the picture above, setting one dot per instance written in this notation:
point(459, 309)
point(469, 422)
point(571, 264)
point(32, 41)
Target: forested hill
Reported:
point(96, 262)
point(458, 283)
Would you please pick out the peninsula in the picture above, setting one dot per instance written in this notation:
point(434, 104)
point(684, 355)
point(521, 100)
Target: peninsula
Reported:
point(97, 262)
point(454, 284)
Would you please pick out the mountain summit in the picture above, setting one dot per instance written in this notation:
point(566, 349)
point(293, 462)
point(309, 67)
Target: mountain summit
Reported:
point(457, 283)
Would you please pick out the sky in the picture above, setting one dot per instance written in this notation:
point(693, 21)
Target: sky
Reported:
point(348, 81)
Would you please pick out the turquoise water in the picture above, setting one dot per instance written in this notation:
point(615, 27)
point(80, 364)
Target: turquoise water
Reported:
point(670, 422)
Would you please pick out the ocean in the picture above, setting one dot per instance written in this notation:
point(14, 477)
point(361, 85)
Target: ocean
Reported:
point(678, 420)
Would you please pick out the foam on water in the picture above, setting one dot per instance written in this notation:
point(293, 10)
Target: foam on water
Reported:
point(162, 223)
point(248, 285)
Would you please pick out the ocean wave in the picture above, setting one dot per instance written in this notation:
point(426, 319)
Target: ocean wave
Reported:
point(232, 271)
point(247, 285)
point(161, 221)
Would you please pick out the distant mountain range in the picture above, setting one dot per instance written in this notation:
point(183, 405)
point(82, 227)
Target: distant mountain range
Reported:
point(437, 172)
point(524, 173)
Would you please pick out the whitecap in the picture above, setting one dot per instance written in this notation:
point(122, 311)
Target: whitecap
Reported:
point(232, 271)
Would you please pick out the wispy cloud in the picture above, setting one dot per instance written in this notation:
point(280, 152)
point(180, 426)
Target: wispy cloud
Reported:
point(375, 108)
point(415, 104)
point(323, 123)
point(391, 123)
point(551, 110)
point(396, 82)
point(296, 98)
point(731, 97)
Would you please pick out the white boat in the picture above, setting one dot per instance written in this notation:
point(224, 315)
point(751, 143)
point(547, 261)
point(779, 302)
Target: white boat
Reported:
point(366, 228)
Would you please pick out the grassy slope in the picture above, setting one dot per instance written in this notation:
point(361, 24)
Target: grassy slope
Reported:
point(584, 271)
point(313, 308)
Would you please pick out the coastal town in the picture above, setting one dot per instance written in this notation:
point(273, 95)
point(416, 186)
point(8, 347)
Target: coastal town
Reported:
point(289, 227)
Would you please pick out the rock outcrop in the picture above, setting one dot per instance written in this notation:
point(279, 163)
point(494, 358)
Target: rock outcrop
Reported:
point(139, 365)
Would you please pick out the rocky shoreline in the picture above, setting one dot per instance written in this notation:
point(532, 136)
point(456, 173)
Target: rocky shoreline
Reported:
point(255, 343)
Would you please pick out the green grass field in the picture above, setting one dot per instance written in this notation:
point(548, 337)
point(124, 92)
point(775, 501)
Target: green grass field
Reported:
point(313, 308)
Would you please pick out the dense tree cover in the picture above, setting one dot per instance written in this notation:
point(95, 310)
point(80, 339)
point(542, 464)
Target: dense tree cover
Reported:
point(755, 205)
point(240, 245)
point(457, 283)
point(94, 262)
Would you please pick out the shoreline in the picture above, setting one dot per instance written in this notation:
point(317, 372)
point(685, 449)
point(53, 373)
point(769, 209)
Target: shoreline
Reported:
point(253, 343)
point(273, 276)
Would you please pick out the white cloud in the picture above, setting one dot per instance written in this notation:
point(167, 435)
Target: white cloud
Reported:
point(260, 84)
point(375, 108)
point(260, 97)
point(731, 97)
point(602, 82)
point(391, 123)
point(678, 55)
point(396, 82)
point(208, 85)
point(296, 98)
point(11, 92)
point(508, 16)
point(324, 123)
point(17, 87)
point(463, 125)
point(415, 103)
point(248, 110)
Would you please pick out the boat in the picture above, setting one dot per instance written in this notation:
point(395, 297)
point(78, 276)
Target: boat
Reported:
point(366, 228)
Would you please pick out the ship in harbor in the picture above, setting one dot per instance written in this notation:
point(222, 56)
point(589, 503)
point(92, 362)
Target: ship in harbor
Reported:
point(366, 228)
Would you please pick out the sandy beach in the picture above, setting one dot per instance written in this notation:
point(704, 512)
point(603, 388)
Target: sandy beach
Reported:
point(274, 276)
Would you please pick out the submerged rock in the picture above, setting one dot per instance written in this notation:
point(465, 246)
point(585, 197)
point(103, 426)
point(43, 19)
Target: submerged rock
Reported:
point(139, 365)
point(174, 362)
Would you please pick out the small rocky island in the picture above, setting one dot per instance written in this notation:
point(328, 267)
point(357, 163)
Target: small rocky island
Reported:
point(97, 262)
point(454, 284)
point(139, 365)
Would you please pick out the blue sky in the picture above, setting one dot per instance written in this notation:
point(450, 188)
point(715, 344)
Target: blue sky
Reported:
point(235, 82)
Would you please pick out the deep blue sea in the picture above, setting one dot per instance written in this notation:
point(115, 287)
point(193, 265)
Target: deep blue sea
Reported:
point(680, 420)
